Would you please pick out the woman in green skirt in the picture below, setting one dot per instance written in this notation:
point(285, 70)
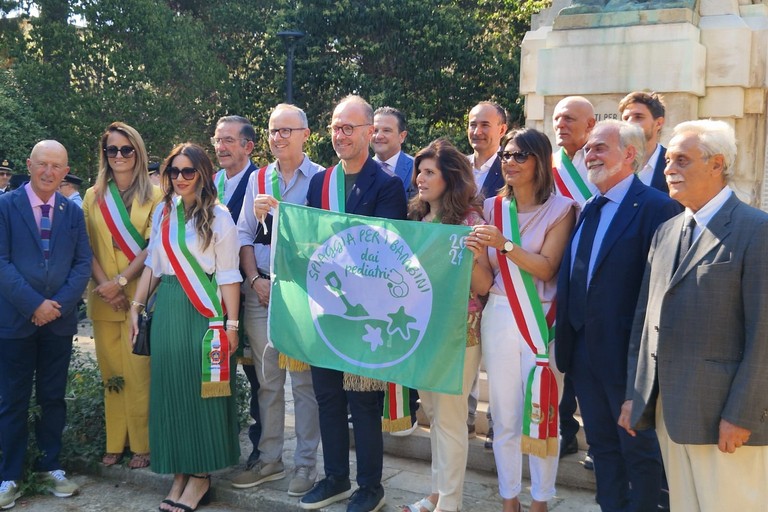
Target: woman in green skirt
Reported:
point(193, 262)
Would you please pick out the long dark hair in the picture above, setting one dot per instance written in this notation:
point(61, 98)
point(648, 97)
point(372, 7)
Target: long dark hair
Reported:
point(205, 192)
point(460, 196)
point(538, 145)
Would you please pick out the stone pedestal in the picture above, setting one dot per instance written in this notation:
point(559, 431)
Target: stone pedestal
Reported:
point(708, 62)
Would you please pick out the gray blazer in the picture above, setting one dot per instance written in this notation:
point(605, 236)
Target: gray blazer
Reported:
point(700, 335)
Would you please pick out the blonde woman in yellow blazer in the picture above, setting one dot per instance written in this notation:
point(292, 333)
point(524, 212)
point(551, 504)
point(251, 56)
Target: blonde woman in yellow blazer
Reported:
point(122, 190)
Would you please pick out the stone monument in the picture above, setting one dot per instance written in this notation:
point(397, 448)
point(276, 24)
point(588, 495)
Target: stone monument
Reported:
point(709, 58)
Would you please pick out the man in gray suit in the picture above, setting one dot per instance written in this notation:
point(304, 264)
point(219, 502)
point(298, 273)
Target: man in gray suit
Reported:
point(699, 346)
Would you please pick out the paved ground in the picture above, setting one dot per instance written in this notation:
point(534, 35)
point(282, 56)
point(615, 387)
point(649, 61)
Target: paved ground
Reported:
point(405, 481)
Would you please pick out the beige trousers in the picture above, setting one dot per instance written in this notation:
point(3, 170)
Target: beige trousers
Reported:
point(448, 435)
point(704, 479)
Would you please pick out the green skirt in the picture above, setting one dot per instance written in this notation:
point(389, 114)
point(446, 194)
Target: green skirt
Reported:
point(187, 433)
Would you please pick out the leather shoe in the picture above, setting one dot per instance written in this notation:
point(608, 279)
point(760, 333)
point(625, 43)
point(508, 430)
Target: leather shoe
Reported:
point(568, 446)
point(589, 463)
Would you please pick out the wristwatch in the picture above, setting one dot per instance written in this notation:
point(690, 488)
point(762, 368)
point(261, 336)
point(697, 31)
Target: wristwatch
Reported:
point(121, 280)
point(508, 246)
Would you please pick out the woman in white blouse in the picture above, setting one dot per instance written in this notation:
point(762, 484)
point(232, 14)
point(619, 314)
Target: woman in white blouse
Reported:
point(193, 262)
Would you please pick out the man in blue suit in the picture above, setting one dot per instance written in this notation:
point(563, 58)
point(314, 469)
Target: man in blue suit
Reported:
point(368, 190)
point(647, 111)
point(45, 261)
point(389, 132)
point(487, 125)
point(597, 291)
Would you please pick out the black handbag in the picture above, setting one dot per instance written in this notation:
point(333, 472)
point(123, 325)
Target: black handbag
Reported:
point(141, 346)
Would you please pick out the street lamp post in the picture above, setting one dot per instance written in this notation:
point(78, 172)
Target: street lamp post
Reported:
point(289, 37)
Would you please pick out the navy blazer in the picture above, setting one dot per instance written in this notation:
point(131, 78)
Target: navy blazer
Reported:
point(235, 203)
point(27, 279)
point(658, 180)
point(375, 193)
point(404, 170)
point(493, 181)
point(616, 278)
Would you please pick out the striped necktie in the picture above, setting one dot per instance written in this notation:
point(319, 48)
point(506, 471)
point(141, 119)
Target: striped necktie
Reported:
point(45, 229)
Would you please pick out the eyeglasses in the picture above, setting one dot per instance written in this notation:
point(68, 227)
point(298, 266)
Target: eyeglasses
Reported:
point(126, 151)
point(5, 173)
point(227, 141)
point(519, 156)
point(188, 173)
point(284, 132)
point(346, 129)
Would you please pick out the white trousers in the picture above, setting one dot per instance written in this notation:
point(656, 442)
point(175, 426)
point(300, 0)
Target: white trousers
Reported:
point(448, 436)
point(703, 479)
point(508, 361)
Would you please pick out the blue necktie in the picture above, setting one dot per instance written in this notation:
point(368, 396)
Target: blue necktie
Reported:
point(577, 296)
point(45, 229)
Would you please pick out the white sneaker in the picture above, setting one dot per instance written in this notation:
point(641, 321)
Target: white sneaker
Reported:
point(9, 493)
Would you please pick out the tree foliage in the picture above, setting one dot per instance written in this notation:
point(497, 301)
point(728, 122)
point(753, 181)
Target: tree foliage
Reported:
point(171, 68)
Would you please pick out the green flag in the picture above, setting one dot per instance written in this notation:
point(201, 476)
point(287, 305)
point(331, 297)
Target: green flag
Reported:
point(375, 297)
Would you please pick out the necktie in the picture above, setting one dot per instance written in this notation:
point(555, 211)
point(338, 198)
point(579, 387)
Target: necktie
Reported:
point(387, 168)
point(686, 239)
point(577, 296)
point(45, 229)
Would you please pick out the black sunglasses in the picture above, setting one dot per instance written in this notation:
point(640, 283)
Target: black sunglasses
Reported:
point(188, 173)
point(112, 151)
point(519, 156)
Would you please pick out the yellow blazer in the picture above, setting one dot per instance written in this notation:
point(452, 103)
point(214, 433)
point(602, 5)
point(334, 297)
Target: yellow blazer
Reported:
point(112, 259)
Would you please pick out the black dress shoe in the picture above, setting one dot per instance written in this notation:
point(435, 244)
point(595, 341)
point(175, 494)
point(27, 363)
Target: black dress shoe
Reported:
point(568, 446)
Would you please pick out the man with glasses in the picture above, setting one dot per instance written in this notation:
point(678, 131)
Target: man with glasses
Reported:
point(45, 272)
point(367, 190)
point(389, 132)
point(6, 170)
point(285, 179)
point(233, 142)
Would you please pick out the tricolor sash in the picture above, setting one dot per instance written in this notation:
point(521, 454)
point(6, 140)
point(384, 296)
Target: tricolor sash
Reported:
point(397, 410)
point(267, 182)
point(570, 183)
point(205, 297)
point(123, 232)
point(334, 196)
point(540, 410)
point(220, 185)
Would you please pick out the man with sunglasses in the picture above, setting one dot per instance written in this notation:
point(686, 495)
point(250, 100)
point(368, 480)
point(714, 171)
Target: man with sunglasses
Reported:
point(233, 142)
point(368, 190)
point(6, 170)
point(45, 272)
point(285, 179)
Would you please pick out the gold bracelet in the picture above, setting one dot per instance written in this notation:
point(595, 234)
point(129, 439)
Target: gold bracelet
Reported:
point(136, 303)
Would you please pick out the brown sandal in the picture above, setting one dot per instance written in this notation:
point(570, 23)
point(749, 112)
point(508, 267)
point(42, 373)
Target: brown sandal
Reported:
point(110, 459)
point(139, 460)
